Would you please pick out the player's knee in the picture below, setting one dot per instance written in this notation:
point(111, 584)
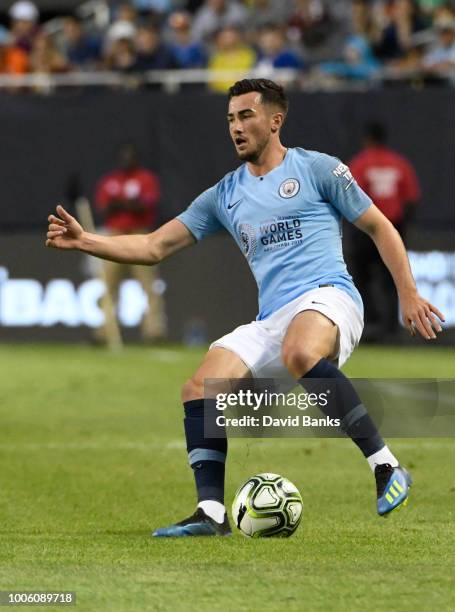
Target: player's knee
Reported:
point(193, 389)
point(299, 360)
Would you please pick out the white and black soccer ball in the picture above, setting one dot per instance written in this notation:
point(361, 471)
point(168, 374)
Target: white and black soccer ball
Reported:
point(267, 505)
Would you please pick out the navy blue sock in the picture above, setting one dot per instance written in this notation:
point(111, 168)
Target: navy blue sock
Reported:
point(344, 404)
point(207, 456)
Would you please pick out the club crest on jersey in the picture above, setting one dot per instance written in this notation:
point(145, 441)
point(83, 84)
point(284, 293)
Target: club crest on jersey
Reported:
point(289, 188)
point(247, 239)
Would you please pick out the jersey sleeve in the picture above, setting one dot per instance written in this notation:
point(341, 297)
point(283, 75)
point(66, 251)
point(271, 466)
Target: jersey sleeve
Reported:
point(338, 187)
point(201, 216)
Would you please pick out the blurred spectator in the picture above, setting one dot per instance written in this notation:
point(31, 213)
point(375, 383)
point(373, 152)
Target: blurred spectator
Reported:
point(187, 54)
point(343, 40)
point(440, 61)
point(126, 12)
point(215, 15)
point(445, 11)
point(81, 50)
point(391, 182)
point(148, 8)
point(321, 27)
point(5, 36)
point(157, 7)
point(24, 29)
point(359, 61)
point(4, 41)
point(265, 12)
point(429, 6)
point(362, 18)
point(24, 24)
point(45, 58)
point(152, 53)
point(311, 25)
point(122, 56)
point(274, 51)
point(230, 53)
point(127, 199)
point(119, 47)
point(123, 27)
point(13, 60)
point(121, 30)
point(400, 21)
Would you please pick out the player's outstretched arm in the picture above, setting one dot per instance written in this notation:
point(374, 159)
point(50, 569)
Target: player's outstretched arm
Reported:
point(418, 313)
point(66, 233)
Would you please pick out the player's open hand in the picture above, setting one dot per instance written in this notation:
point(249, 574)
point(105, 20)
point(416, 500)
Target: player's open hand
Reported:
point(64, 232)
point(419, 316)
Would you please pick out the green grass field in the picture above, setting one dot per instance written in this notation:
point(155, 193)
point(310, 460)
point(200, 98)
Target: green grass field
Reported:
point(93, 458)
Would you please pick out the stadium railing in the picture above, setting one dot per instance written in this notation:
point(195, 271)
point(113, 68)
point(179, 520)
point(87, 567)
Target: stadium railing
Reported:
point(172, 81)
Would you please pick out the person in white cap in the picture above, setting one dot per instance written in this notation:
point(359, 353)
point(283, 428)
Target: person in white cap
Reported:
point(24, 17)
point(123, 27)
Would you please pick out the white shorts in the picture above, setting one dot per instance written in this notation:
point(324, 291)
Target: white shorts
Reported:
point(259, 343)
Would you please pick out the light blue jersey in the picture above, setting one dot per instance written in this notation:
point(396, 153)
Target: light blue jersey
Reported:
point(287, 223)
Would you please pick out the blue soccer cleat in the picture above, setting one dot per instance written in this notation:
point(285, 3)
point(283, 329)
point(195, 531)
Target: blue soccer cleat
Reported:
point(392, 487)
point(199, 524)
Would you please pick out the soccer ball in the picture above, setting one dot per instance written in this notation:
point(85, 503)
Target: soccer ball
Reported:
point(267, 505)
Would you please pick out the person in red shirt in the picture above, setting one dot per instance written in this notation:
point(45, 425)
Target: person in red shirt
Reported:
point(391, 182)
point(127, 200)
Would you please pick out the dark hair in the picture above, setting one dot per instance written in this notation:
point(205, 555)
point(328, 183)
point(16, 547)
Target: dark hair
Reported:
point(271, 93)
point(376, 132)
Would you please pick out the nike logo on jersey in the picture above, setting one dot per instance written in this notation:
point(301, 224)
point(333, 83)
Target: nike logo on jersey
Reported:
point(320, 303)
point(234, 204)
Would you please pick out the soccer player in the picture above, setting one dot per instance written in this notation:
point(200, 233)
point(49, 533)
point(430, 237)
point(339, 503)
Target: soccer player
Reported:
point(283, 207)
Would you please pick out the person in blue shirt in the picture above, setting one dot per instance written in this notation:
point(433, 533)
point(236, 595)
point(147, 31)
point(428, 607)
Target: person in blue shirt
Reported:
point(152, 52)
point(283, 207)
point(188, 54)
point(273, 51)
point(359, 61)
point(82, 50)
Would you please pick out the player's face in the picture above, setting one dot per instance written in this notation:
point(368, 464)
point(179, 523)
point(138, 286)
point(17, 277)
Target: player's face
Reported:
point(250, 125)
